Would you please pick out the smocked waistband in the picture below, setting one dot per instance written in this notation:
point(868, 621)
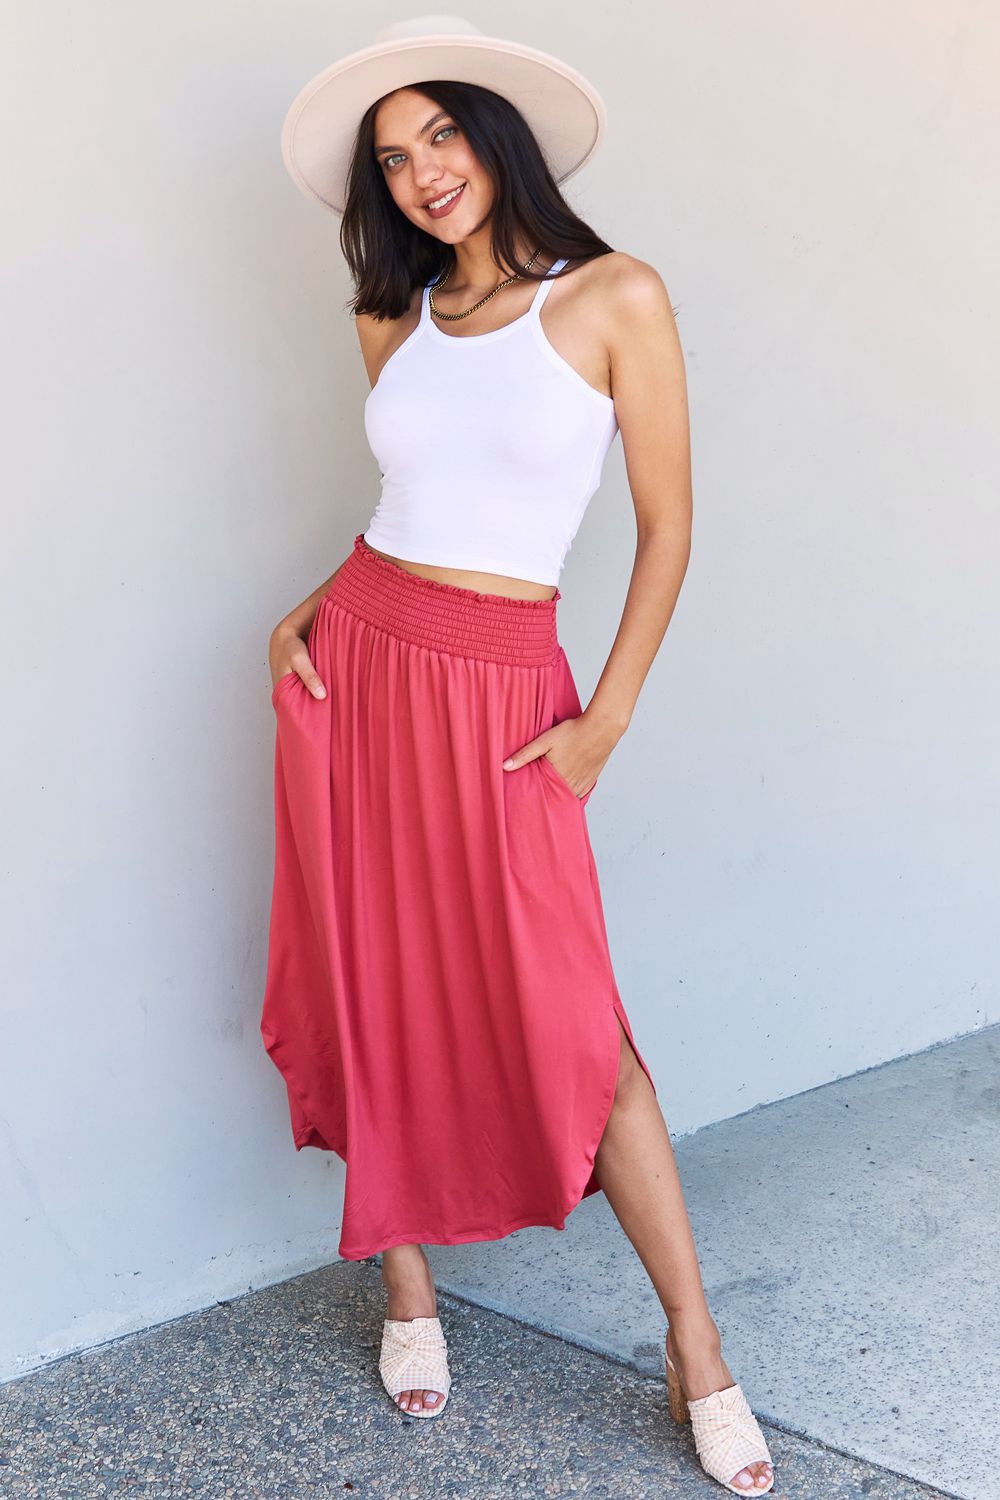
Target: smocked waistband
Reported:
point(444, 617)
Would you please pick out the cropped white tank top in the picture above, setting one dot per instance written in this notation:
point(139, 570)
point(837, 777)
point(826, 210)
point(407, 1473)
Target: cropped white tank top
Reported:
point(491, 446)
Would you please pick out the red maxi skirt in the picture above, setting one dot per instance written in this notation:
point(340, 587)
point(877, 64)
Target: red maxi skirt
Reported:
point(439, 999)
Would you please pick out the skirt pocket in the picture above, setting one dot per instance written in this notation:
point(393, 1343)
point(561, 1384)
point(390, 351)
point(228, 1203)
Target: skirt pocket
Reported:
point(282, 682)
point(560, 779)
point(566, 705)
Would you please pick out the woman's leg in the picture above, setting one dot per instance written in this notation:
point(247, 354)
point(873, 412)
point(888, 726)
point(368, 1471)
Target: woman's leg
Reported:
point(409, 1282)
point(638, 1174)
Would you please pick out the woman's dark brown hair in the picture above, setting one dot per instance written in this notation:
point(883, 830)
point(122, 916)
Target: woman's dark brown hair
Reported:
point(388, 255)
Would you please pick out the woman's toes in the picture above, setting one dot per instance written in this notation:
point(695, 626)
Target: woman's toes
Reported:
point(417, 1400)
point(758, 1476)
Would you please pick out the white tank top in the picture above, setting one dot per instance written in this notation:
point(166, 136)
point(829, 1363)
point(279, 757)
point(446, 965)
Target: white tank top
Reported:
point(491, 446)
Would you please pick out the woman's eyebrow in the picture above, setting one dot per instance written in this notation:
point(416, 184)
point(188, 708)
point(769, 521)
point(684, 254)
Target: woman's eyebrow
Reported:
point(441, 114)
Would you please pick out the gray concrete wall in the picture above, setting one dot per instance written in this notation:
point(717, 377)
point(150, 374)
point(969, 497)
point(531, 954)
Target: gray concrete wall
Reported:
point(797, 835)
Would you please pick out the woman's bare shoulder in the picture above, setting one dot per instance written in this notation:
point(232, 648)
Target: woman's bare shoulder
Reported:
point(379, 338)
point(624, 304)
point(620, 295)
point(635, 287)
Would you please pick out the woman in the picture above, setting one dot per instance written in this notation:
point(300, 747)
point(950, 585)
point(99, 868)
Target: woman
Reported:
point(440, 998)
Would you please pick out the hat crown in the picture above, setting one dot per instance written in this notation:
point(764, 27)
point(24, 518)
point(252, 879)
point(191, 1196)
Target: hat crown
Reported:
point(427, 26)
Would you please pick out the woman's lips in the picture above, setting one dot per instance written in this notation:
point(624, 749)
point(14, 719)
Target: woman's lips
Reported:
point(439, 213)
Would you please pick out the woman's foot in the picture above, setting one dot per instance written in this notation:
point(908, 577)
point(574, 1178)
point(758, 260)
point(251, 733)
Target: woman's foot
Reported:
point(409, 1284)
point(695, 1351)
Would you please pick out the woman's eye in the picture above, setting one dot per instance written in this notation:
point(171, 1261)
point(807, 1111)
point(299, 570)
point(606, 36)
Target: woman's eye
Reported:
point(387, 161)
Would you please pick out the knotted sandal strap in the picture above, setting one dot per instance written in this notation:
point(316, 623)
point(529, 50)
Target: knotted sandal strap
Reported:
point(414, 1357)
point(727, 1437)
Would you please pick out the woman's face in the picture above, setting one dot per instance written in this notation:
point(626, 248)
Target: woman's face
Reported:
point(424, 156)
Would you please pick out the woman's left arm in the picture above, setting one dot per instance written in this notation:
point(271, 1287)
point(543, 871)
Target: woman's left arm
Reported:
point(649, 388)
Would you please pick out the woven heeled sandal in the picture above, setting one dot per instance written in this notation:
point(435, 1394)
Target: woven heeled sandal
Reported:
point(726, 1434)
point(414, 1357)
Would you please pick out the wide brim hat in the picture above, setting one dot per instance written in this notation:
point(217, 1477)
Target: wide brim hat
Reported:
point(564, 111)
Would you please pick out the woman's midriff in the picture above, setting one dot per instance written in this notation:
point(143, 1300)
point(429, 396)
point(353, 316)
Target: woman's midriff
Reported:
point(483, 583)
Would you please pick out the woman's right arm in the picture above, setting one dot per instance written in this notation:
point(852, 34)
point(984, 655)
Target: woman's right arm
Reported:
point(288, 651)
point(288, 639)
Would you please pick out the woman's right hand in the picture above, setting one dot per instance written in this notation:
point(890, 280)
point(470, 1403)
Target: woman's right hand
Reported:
point(289, 653)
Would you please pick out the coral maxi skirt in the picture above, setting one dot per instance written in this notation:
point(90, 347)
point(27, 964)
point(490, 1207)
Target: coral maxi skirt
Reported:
point(439, 998)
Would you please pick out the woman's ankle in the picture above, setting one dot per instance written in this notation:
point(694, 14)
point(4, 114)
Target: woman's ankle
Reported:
point(409, 1284)
point(694, 1330)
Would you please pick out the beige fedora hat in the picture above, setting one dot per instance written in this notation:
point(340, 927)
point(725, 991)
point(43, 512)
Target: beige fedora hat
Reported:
point(565, 112)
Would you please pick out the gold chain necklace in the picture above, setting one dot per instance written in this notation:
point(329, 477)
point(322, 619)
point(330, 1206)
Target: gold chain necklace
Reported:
point(452, 317)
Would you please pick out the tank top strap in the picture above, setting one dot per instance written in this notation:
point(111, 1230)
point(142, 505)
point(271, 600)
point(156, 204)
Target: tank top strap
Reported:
point(544, 287)
point(533, 308)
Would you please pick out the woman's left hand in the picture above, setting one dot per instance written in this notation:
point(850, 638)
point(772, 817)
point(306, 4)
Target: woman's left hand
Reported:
point(577, 748)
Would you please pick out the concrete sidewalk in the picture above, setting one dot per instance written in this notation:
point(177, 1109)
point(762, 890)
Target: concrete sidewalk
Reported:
point(277, 1395)
point(848, 1242)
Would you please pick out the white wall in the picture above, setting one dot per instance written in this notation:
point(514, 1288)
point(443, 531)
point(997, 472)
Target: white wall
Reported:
point(797, 836)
